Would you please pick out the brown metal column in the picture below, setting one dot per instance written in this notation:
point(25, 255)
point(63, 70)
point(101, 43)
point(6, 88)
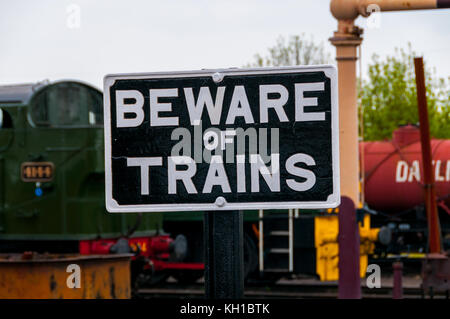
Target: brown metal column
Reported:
point(434, 232)
point(349, 262)
point(346, 40)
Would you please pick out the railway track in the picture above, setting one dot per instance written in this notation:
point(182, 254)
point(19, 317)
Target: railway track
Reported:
point(279, 290)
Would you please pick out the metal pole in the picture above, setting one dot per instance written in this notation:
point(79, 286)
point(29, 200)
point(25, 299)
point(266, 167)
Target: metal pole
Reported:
point(349, 277)
point(397, 289)
point(346, 56)
point(224, 258)
point(434, 232)
point(351, 9)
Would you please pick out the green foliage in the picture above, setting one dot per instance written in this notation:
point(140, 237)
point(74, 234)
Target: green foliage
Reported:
point(297, 50)
point(388, 98)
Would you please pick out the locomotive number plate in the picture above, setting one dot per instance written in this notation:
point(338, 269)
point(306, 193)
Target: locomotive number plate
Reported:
point(37, 171)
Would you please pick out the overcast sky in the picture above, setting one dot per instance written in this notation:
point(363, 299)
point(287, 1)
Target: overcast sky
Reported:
point(43, 40)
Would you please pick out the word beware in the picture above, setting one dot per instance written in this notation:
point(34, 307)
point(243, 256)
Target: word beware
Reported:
point(239, 105)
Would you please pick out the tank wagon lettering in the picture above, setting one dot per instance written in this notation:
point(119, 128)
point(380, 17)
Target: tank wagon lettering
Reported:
point(437, 169)
point(447, 171)
point(414, 172)
point(401, 172)
point(407, 173)
point(130, 105)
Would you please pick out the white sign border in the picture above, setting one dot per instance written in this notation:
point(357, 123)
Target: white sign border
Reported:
point(332, 201)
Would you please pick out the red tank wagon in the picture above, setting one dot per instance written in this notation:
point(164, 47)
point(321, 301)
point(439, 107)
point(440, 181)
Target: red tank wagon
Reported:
point(394, 175)
point(393, 189)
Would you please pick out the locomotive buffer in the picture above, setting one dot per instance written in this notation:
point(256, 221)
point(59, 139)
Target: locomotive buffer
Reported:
point(222, 141)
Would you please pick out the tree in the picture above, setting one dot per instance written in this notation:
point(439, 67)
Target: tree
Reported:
point(297, 50)
point(388, 98)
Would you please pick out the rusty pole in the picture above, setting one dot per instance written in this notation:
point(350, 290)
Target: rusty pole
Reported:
point(434, 232)
point(346, 40)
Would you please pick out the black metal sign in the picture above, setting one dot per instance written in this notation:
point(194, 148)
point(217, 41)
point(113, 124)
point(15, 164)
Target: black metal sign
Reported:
point(222, 140)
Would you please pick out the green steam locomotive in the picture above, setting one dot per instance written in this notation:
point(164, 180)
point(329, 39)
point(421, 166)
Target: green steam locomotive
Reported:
point(52, 182)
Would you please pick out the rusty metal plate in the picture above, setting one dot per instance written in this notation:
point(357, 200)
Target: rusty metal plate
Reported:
point(44, 276)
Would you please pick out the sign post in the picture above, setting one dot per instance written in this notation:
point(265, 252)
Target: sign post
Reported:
point(222, 141)
point(224, 259)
